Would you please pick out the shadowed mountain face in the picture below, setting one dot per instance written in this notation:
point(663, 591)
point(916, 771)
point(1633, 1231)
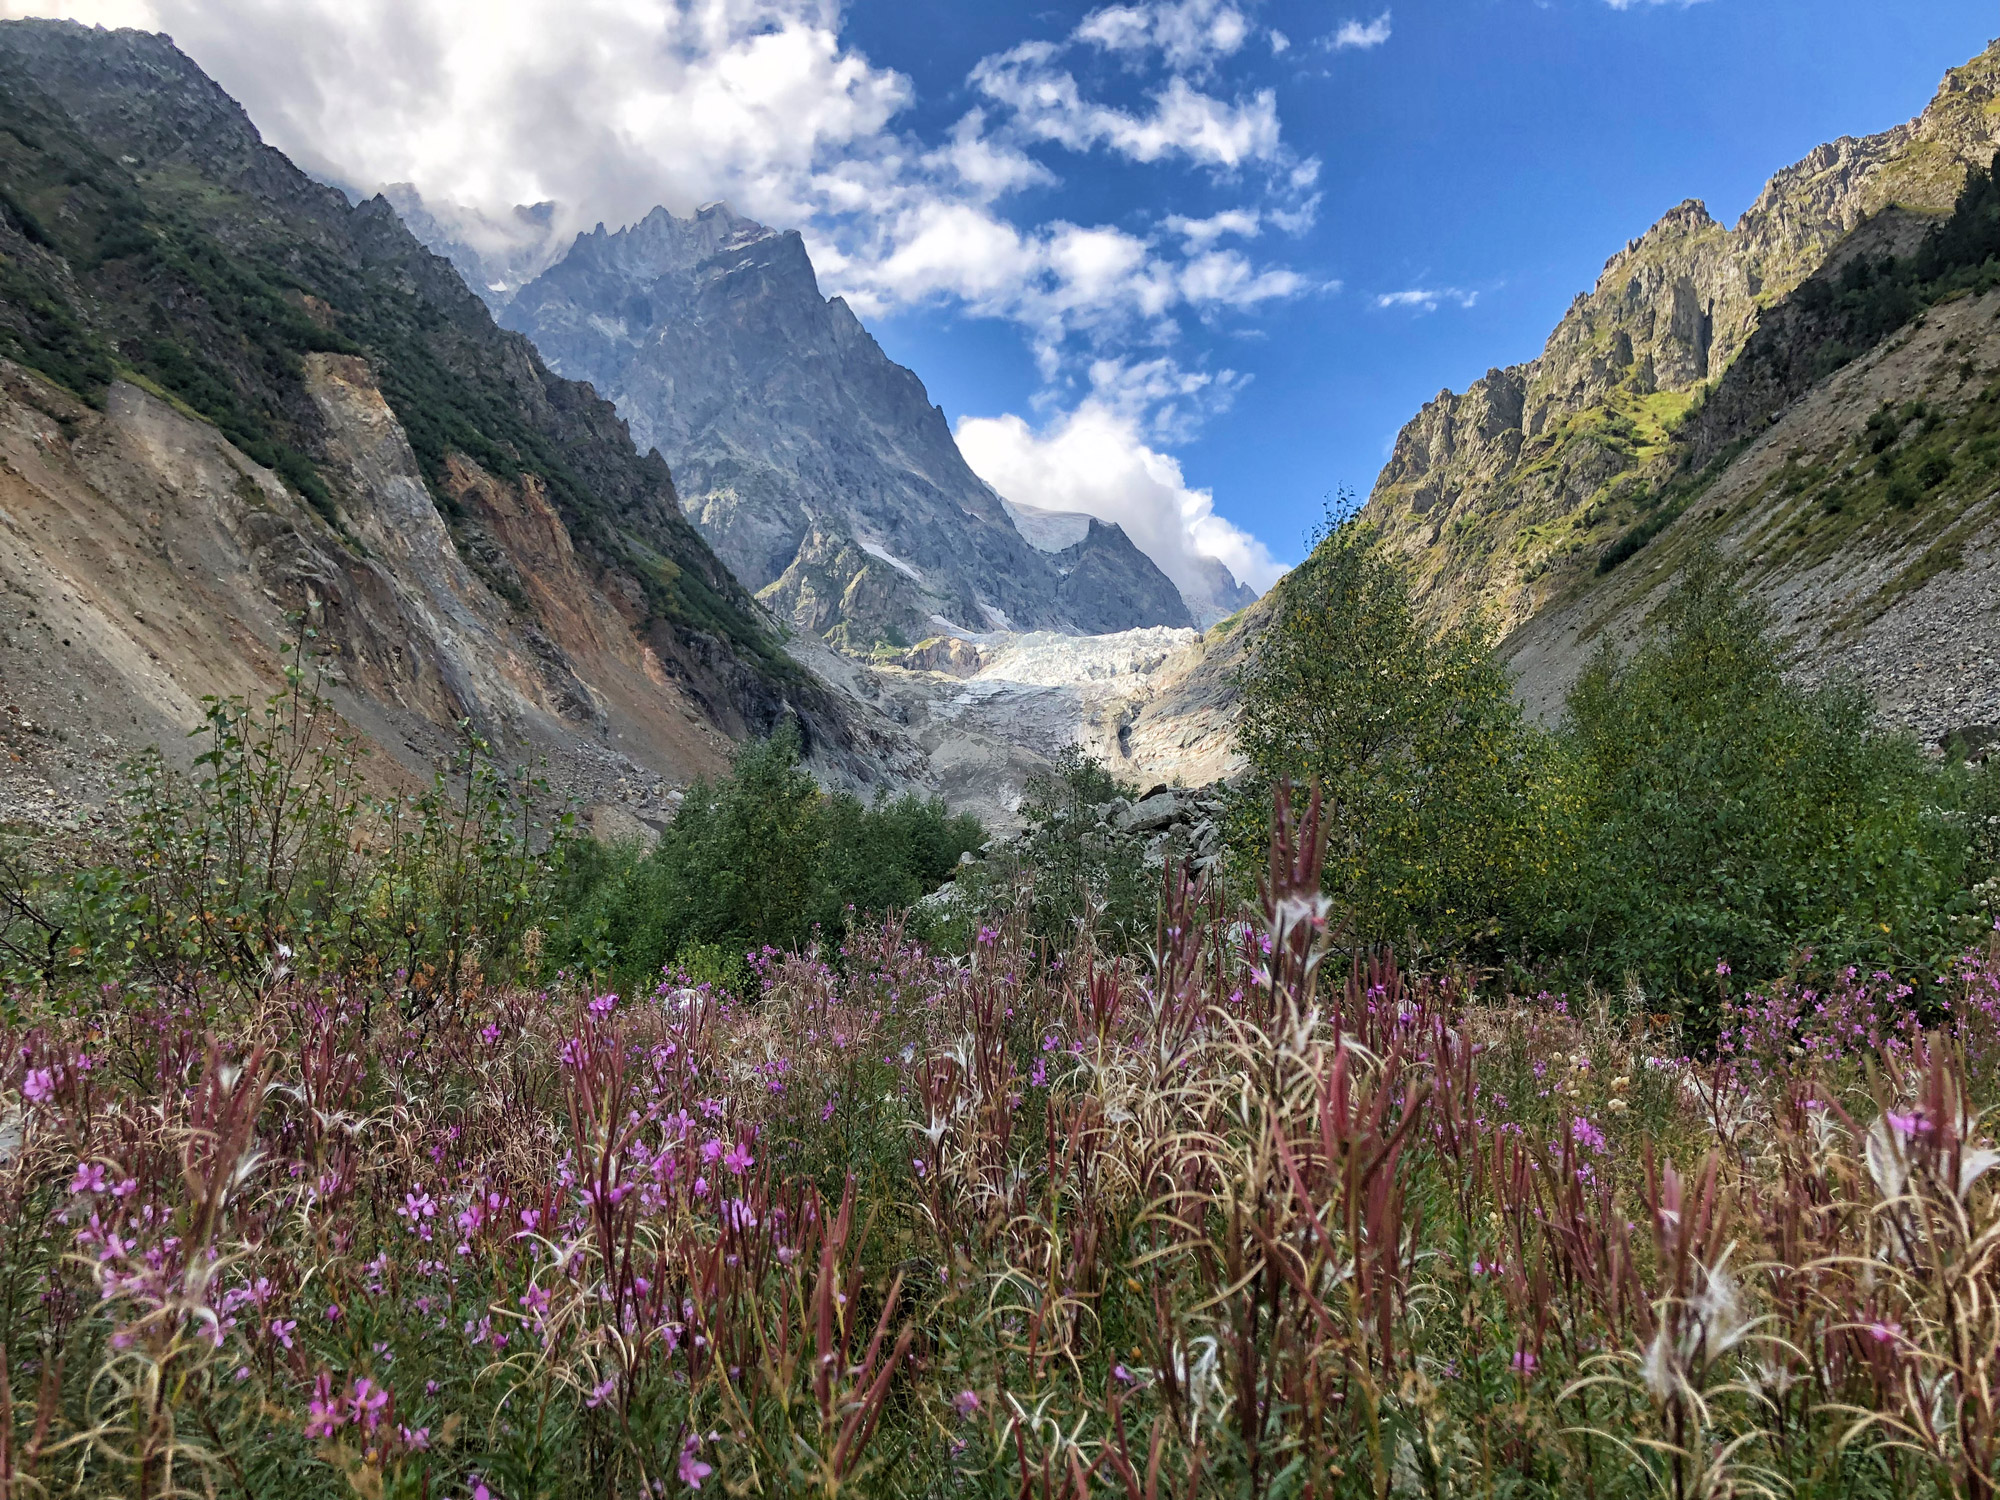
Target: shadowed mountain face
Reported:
point(230, 400)
point(817, 468)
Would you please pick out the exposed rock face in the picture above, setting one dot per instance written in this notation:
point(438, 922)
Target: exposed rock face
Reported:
point(815, 466)
point(328, 428)
point(1499, 496)
point(1905, 600)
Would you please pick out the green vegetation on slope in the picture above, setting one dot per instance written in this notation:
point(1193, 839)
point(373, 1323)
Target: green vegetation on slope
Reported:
point(1432, 782)
point(1695, 807)
point(1909, 454)
point(210, 284)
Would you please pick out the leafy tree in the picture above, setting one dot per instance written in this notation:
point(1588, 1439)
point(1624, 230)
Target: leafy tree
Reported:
point(1442, 804)
point(1737, 816)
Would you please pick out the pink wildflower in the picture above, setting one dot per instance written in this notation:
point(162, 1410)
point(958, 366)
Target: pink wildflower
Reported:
point(325, 1415)
point(366, 1401)
point(692, 1470)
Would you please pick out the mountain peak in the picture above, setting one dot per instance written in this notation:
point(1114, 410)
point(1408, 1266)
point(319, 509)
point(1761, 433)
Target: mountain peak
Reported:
point(817, 466)
point(1528, 460)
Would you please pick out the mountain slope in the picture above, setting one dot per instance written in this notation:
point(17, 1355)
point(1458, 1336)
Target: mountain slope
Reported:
point(1848, 466)
point(816, 466)
point(1503, 496)
point(250, 401)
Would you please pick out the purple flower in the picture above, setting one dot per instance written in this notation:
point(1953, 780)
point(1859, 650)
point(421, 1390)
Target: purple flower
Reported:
point(692, 1470)
point(367, 1401)
point(739, 1160)
point(324, 1416)
point(39, 1084)
point(967, 1402)
point(89, 1178)
point(1524, 1362)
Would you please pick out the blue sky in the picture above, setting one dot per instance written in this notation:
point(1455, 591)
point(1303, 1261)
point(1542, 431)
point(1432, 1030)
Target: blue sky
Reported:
point(1186, 264)
point(1503, 148)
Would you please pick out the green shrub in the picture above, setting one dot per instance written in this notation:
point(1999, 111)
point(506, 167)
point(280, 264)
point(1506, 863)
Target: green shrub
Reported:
point(758, 858)
point(1733, 815)
point(270, 857)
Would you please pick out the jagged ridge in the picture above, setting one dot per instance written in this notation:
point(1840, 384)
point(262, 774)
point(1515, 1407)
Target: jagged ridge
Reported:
point(150, 242)
point(1500, 497)
point(816, 466)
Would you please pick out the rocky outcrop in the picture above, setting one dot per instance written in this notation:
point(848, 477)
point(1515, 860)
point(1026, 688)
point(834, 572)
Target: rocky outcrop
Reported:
point(817, 467)
point(1898, 590)
point(1502, 495)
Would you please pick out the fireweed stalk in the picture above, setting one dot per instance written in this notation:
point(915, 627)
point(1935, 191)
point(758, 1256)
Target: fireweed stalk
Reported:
point(1244, 1216)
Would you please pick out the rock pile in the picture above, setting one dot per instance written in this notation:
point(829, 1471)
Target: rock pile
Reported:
point(1181, 821)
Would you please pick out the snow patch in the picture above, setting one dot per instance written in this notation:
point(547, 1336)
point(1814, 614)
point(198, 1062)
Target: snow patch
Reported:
point(877, 550)
point(1043, 658)
point(1048, 530)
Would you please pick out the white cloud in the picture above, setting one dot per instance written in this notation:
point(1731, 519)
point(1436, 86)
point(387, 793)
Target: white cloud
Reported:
point(989, 169)
point(1367, 34)
point(1427, 299)
point(1189, 34)
point(1199, 234)
point(1639, 4)
point(607, 106)
point(1048, 104)
point(1279, 41)
point(1163, 401)
point(1223, 278)
point(1096, 459)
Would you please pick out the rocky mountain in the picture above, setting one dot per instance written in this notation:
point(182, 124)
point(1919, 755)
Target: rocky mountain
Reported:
point(817, 467)
point(1504, 496)
point(1813, 394)
point(234, 407)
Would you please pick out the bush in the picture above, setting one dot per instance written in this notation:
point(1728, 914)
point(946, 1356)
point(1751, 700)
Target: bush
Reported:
point(1072, 864)
point(1734, 816)
point(759, 858)
point(1443, 807)
point(271, 858)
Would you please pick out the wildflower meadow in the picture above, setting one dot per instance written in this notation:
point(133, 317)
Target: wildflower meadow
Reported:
point(1228, 1215)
